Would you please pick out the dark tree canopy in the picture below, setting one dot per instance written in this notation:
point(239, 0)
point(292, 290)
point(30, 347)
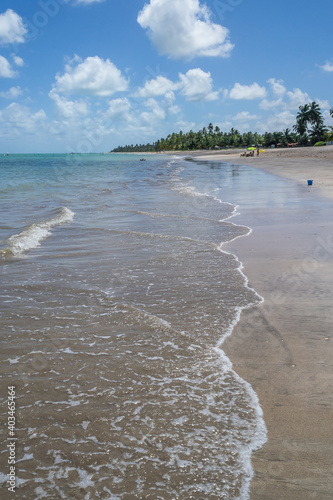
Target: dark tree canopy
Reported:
point(309, 128)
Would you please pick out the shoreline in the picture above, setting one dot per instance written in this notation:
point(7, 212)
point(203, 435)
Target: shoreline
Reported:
point(283, 347)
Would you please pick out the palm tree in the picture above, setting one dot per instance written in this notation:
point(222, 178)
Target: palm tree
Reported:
point(277, 138)
point(302, 119)
point(314, 115)
point(317, 121)
point(287, 134)
point(318, 131)
point(303, 113)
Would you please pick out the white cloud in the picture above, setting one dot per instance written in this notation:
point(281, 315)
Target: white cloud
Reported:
point(297, 98)
point(324, 104)
point(169, 100)
point(247, 92)
point(266, 104)
point(6, 70)
point(156, 87)
point(20, 118)
point(18, 60)
point(245, 115)
point(197, 86)
point(119, 109)
point(277, 87)
point(185, 126)
point(183, 29)
point(327, 117)
point(11, 93)
point(328, 66)
point(69, 109)
point(155, 113)
point(12, 29)
point(226, 125)
point(93, 76)
point(278, 121)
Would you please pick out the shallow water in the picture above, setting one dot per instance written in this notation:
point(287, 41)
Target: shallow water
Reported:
point(116, 296)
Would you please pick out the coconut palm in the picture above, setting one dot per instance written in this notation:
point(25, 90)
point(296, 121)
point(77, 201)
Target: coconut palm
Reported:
point(318, 131)
point(302, 119)
point(301, 126)
point(314, 116)
point(303, 114)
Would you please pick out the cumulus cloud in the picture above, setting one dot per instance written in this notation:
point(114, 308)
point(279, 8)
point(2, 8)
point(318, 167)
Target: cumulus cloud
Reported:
point(328, 66)
point(69, 109)
point(12, 29)
point(327, 117)
point(184, 29)
point(20, 118)
point(278, 121)
point(197, 85)
point(156, 87)
point(277, 87)
point(169, 100)
point(267, 104)
point(18, 60)
point(297, 98)
point(11, 93)
point(185, 126)
point(247, 92)
point(92, 76)
point(324, 104)
point(288, 100)
point(6, 70)
point(244, 116)
point(155, 113)
point(119, 109)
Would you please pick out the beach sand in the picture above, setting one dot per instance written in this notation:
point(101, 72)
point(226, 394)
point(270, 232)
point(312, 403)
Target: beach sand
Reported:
point(284, 347)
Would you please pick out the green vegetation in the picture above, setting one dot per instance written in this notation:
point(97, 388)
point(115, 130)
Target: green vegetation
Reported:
point(320, 143)
point(308, 130)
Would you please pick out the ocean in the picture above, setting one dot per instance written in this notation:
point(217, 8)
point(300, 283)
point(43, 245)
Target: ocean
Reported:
point(116, 297)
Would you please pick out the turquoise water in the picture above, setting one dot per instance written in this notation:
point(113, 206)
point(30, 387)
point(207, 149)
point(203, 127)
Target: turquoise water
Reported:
point(116, 296)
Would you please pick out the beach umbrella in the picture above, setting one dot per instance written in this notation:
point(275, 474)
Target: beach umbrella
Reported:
point(251, 149)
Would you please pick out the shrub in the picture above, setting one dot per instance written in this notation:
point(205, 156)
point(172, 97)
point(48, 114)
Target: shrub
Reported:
point(320, 143)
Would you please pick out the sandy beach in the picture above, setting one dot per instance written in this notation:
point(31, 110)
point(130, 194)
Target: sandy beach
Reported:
point(297, 164)
point(284, 346)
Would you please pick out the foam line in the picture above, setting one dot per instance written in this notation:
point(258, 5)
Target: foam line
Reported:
point(33, 235)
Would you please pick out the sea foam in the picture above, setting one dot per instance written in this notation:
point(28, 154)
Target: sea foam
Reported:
point(33, 235)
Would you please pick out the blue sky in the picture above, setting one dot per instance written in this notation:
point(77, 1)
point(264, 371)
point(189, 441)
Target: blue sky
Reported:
point(89, 75)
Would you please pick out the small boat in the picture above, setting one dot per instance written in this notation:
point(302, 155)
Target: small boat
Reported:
point(142, 159)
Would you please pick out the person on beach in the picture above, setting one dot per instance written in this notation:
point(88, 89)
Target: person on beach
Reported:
point(258, 151)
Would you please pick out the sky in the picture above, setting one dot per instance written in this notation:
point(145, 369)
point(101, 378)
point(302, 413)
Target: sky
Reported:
point(88, 75)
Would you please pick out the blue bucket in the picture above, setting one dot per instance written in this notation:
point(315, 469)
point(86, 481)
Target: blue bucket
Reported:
point(310, 183)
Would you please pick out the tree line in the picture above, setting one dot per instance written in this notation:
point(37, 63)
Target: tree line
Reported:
point(308, 130)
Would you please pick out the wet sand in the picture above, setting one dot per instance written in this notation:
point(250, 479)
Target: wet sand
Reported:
point(284, 347)
point(297, 164)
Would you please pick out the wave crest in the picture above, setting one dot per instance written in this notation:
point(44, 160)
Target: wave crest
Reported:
point(33, 235)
